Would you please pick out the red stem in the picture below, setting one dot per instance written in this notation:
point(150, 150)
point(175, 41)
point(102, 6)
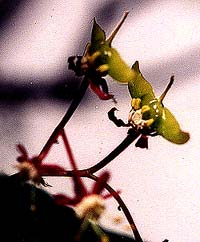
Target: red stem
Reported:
point(79, 187)
point(122, 206)
point(106, 160)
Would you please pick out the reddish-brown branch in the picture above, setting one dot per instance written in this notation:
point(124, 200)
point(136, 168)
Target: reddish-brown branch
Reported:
point(122, 206)
point(89, 173)
point(78, 185)
point(106, 160)
point(76, 101)
point(113, 154)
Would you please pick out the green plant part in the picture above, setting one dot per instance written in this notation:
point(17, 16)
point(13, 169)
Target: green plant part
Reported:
point(148, 113)
point(103, 58)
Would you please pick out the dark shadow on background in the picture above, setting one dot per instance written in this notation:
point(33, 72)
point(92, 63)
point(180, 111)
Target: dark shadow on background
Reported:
point(186, 65)
point(7, 9)
point(16, 93)
point(110, 13)
point(107, 14)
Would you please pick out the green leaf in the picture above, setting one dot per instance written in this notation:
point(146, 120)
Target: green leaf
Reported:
point(169, 128)
point(139, 87)
point(98, 34)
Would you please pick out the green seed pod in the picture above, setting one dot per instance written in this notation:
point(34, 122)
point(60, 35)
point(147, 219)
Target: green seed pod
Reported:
point(154, 117)
point(148, 112)
point(139, 87)
point(101, 55)
point(118, 69)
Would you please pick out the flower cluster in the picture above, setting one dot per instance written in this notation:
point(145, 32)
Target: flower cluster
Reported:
point(148, 115)
point(100, 59)
point(86, 203)
point(32, 169)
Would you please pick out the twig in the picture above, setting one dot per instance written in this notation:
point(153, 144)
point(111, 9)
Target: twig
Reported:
point(122, 206)
point(113, 154)
point(112, 36)
point(105, 161)
point(77, 174)
point(76, 101)
point(167, 88)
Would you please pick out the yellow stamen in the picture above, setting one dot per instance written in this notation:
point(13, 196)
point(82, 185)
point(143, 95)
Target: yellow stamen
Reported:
point(149, 122)
point(135, 103)
point(93, 57)
point(103, 68)
point(145, 108)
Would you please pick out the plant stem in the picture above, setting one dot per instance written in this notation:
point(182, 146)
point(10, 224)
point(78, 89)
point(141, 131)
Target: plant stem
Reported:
point(78, 185)
point(115, 31)
point(81, 188)
point(73, 106)
point(113, 154)
point(123, 207)
point(167, 88)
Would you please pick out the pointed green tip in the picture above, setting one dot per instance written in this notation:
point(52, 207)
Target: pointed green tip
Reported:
point(169, 129)
point(179, 138)
point(136, 67)
point(139, 87)
point(98, 34)
point(184, 137)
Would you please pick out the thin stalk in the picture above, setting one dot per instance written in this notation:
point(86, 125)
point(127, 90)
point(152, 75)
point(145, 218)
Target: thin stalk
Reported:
point(73, 106)
point(115, 31)
point(123, 207)
point(106, 160)
point(167, 88)
point(113, 154)
point(78, 185)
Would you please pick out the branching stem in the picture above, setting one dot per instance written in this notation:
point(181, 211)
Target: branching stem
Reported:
point(106, 160)
point(89, 174)
point(122, 206)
